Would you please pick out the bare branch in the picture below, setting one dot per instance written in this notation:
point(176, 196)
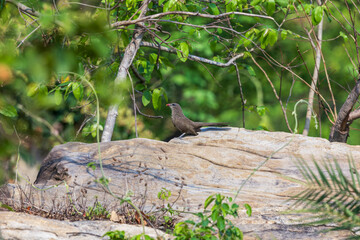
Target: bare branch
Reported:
point(53, 130)
point(24, 8)
point(196, 58)
point(354, 115)
point(195, 14)
point(274, 90)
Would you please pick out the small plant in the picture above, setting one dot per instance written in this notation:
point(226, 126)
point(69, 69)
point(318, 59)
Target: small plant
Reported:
point(213, 224)
point(115, 235)
point(120, 235)
point(97, 211)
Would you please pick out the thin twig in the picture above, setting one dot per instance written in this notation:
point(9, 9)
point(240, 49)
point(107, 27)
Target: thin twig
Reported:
point(134, 101)
point(195, 14)
point(22, 41)
point(241, 95)
point(43, 121)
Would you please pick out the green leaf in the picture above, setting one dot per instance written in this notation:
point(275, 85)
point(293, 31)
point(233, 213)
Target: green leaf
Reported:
point(92, 165)
point(248, 209)
point(214, 9)
point(255, 2)
point(8, 110)
point(344, 36)
point(270, 7)
point(284, 34)
point(221, 223)
point(140, 87)
point(184, 48)
point(251, 71)
point(156, 98)
point(78, 90)
point(2, 205)
point(272, 37)
point(261, 110)
point(146, 98)
point(161, 2)
point(317, 15)
point(32, 89)
point(209, 200)
point(58, 97)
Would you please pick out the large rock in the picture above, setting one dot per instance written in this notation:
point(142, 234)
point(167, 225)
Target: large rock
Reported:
point(25, 226)
point(193, 168)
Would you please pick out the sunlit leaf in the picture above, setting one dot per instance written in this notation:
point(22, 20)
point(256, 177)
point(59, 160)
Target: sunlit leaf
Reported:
point(156, 98)
point(248, 209)
point(317, 15)
point(58, 97)
point(270, 7)
point(78, 90)
point(184, 51)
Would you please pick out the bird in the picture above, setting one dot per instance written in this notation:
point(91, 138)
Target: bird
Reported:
point(185, 125)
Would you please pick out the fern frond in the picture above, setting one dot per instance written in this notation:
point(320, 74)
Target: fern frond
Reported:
point(330, 195)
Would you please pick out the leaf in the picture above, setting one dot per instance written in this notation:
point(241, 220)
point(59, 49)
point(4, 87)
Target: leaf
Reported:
point(32, 89)
point(146, 98)
point(272, 37)
point(221, 223)
point(184, 51)
point(58, 97)
point(156, 98)
point(214, 9)
point(3, 205)
point(284, 34)
point(161, 2)
point(78, 90)
point(317, 15)
point(255, 2)
point(344, 36)
point(270, 7)
point(209, 200)
point(8, 110)
point(261, 110)
point(251, 71)
point(248, 209)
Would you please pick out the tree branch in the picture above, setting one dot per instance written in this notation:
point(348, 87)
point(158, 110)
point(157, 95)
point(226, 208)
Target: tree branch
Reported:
point(196, 58)
point(196, 14)
point(24, 8)
point(130, 53)
point(340, 129)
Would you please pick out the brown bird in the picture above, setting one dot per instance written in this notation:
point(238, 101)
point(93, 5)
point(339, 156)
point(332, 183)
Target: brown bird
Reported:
point(185, 125)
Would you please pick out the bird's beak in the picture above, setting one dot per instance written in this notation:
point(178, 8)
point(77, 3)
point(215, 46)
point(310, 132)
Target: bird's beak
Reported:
point(168, 105)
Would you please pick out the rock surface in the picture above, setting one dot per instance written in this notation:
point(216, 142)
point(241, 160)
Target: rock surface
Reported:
point(193, 168)
point(25, 226)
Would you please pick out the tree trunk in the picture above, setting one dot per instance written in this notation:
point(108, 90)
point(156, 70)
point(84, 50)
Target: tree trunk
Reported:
point(340, 130)
point(314, 78)
point(129, 55)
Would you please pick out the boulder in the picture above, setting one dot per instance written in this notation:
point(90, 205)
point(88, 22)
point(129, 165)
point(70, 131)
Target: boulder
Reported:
point(192, 168)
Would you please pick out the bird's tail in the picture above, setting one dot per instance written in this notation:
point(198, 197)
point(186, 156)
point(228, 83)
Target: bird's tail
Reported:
point(206, 124)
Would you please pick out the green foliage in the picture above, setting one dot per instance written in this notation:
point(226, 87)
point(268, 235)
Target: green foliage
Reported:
point(120, 235)
point(317, 15)
point(213, 223)
point(40, 66)
point(164, 194)
point(331, 194)
point(98, 210)
point(115, 235)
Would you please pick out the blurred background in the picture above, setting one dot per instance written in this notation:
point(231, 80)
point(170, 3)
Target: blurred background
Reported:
point(45, 101)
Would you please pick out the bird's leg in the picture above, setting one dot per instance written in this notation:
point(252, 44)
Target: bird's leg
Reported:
point(181, 135)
